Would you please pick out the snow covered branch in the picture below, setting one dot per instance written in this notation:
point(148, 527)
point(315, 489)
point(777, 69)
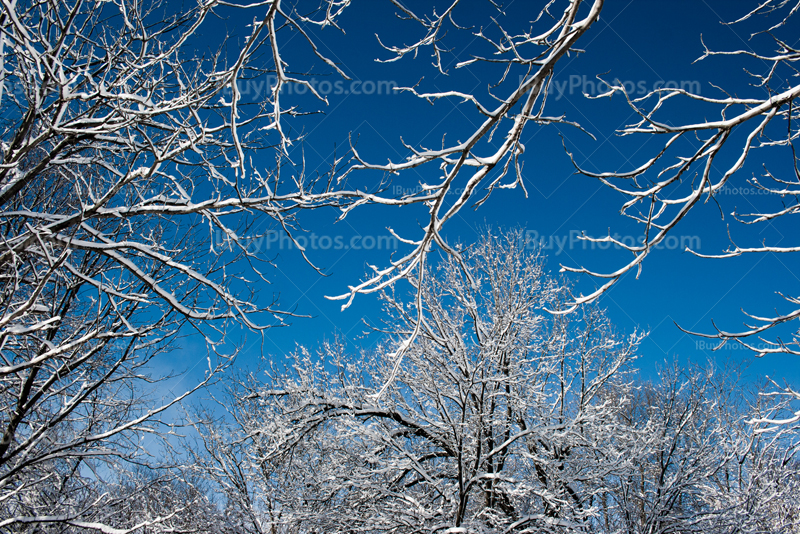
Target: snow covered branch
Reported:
point(697, 162)
point(476, 166)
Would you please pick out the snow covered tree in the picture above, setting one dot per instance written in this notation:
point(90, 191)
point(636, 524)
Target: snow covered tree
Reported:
point(500, 418)
point(700, 466)
point(123, 146)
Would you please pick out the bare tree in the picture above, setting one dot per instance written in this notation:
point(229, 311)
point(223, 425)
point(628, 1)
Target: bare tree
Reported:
point(123, 147)
point(700, 465)
point(502, 417)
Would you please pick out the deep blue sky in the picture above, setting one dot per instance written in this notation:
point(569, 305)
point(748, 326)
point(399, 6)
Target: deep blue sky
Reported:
point(637, 41)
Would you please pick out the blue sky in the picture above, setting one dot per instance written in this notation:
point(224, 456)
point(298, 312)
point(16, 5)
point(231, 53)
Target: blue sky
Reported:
point(639, 42)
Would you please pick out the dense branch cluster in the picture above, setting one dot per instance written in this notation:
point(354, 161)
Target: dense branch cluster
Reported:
point(503, 418)
point(122, 149)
